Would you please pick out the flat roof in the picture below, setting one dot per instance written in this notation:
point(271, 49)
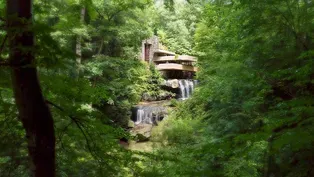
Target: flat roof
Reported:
point(165, 52)
point(174, 66)
point(174, 58)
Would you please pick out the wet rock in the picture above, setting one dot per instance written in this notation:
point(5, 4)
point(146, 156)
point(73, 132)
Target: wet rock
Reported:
point(148, 114)
point(142, 138)
point(173, 83)
point(131, 124)
point(148, 97)
point(165, 96)
point(142, 132)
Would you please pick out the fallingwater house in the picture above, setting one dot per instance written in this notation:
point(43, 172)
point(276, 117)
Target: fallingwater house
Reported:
point(178, 71)
point(171, 65)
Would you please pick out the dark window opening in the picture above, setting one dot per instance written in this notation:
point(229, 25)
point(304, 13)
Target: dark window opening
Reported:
point(147, 51)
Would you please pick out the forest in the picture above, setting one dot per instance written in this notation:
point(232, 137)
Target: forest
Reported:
point(72, 73)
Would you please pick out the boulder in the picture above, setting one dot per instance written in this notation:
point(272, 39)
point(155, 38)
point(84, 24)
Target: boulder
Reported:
point(173, 83)
point(131, 124)
point(148, 97)
point(142, 132)
point(142, 138)
point(165, 95)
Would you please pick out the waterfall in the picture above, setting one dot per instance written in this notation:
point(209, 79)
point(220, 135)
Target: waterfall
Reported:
point(186, 88)
point(149, 114)
point(182, 88)
point(154, 112)
point(139, 116)
point(191, 85)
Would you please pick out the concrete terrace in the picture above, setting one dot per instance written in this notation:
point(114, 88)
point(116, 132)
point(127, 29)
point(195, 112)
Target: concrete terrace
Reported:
point(167, 61)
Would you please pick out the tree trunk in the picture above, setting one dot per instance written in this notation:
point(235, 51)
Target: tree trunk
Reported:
point(33, 111)
point(101, 46)
point(79, 44)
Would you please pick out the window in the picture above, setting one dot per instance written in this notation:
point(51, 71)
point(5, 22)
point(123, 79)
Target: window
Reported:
point(147, 51)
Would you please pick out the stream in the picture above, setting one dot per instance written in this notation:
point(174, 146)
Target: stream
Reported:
point(146, 115)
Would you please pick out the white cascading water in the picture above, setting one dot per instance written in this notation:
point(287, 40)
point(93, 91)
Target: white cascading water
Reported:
point(182, 89)
point(186, 88)
point(191, 85)
point(148, 115)
point(139, 116)
point(148, 118)
point(151, 114)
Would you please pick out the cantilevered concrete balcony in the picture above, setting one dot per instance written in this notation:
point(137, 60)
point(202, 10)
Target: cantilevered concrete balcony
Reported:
point(174, 66)
point(164, 52)
point(161, 59)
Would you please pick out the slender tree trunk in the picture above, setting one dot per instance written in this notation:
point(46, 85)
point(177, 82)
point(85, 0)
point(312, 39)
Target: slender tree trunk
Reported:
point(101, 46)
point(33, 111)
point(79, 44)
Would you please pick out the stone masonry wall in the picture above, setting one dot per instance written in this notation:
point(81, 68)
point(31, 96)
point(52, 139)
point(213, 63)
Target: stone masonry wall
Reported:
point(154, 46)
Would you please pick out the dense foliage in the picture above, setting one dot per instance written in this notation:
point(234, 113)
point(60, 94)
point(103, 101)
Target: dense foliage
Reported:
point(90, 76)
point(253, 111)
point(176, 26)
point(251, 115)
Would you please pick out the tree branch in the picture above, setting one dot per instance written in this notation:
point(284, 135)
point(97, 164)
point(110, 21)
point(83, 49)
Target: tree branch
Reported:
point(3, 43)
point(1, 49)
point(110, 17)
point(77, 122)
point(85, 133)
